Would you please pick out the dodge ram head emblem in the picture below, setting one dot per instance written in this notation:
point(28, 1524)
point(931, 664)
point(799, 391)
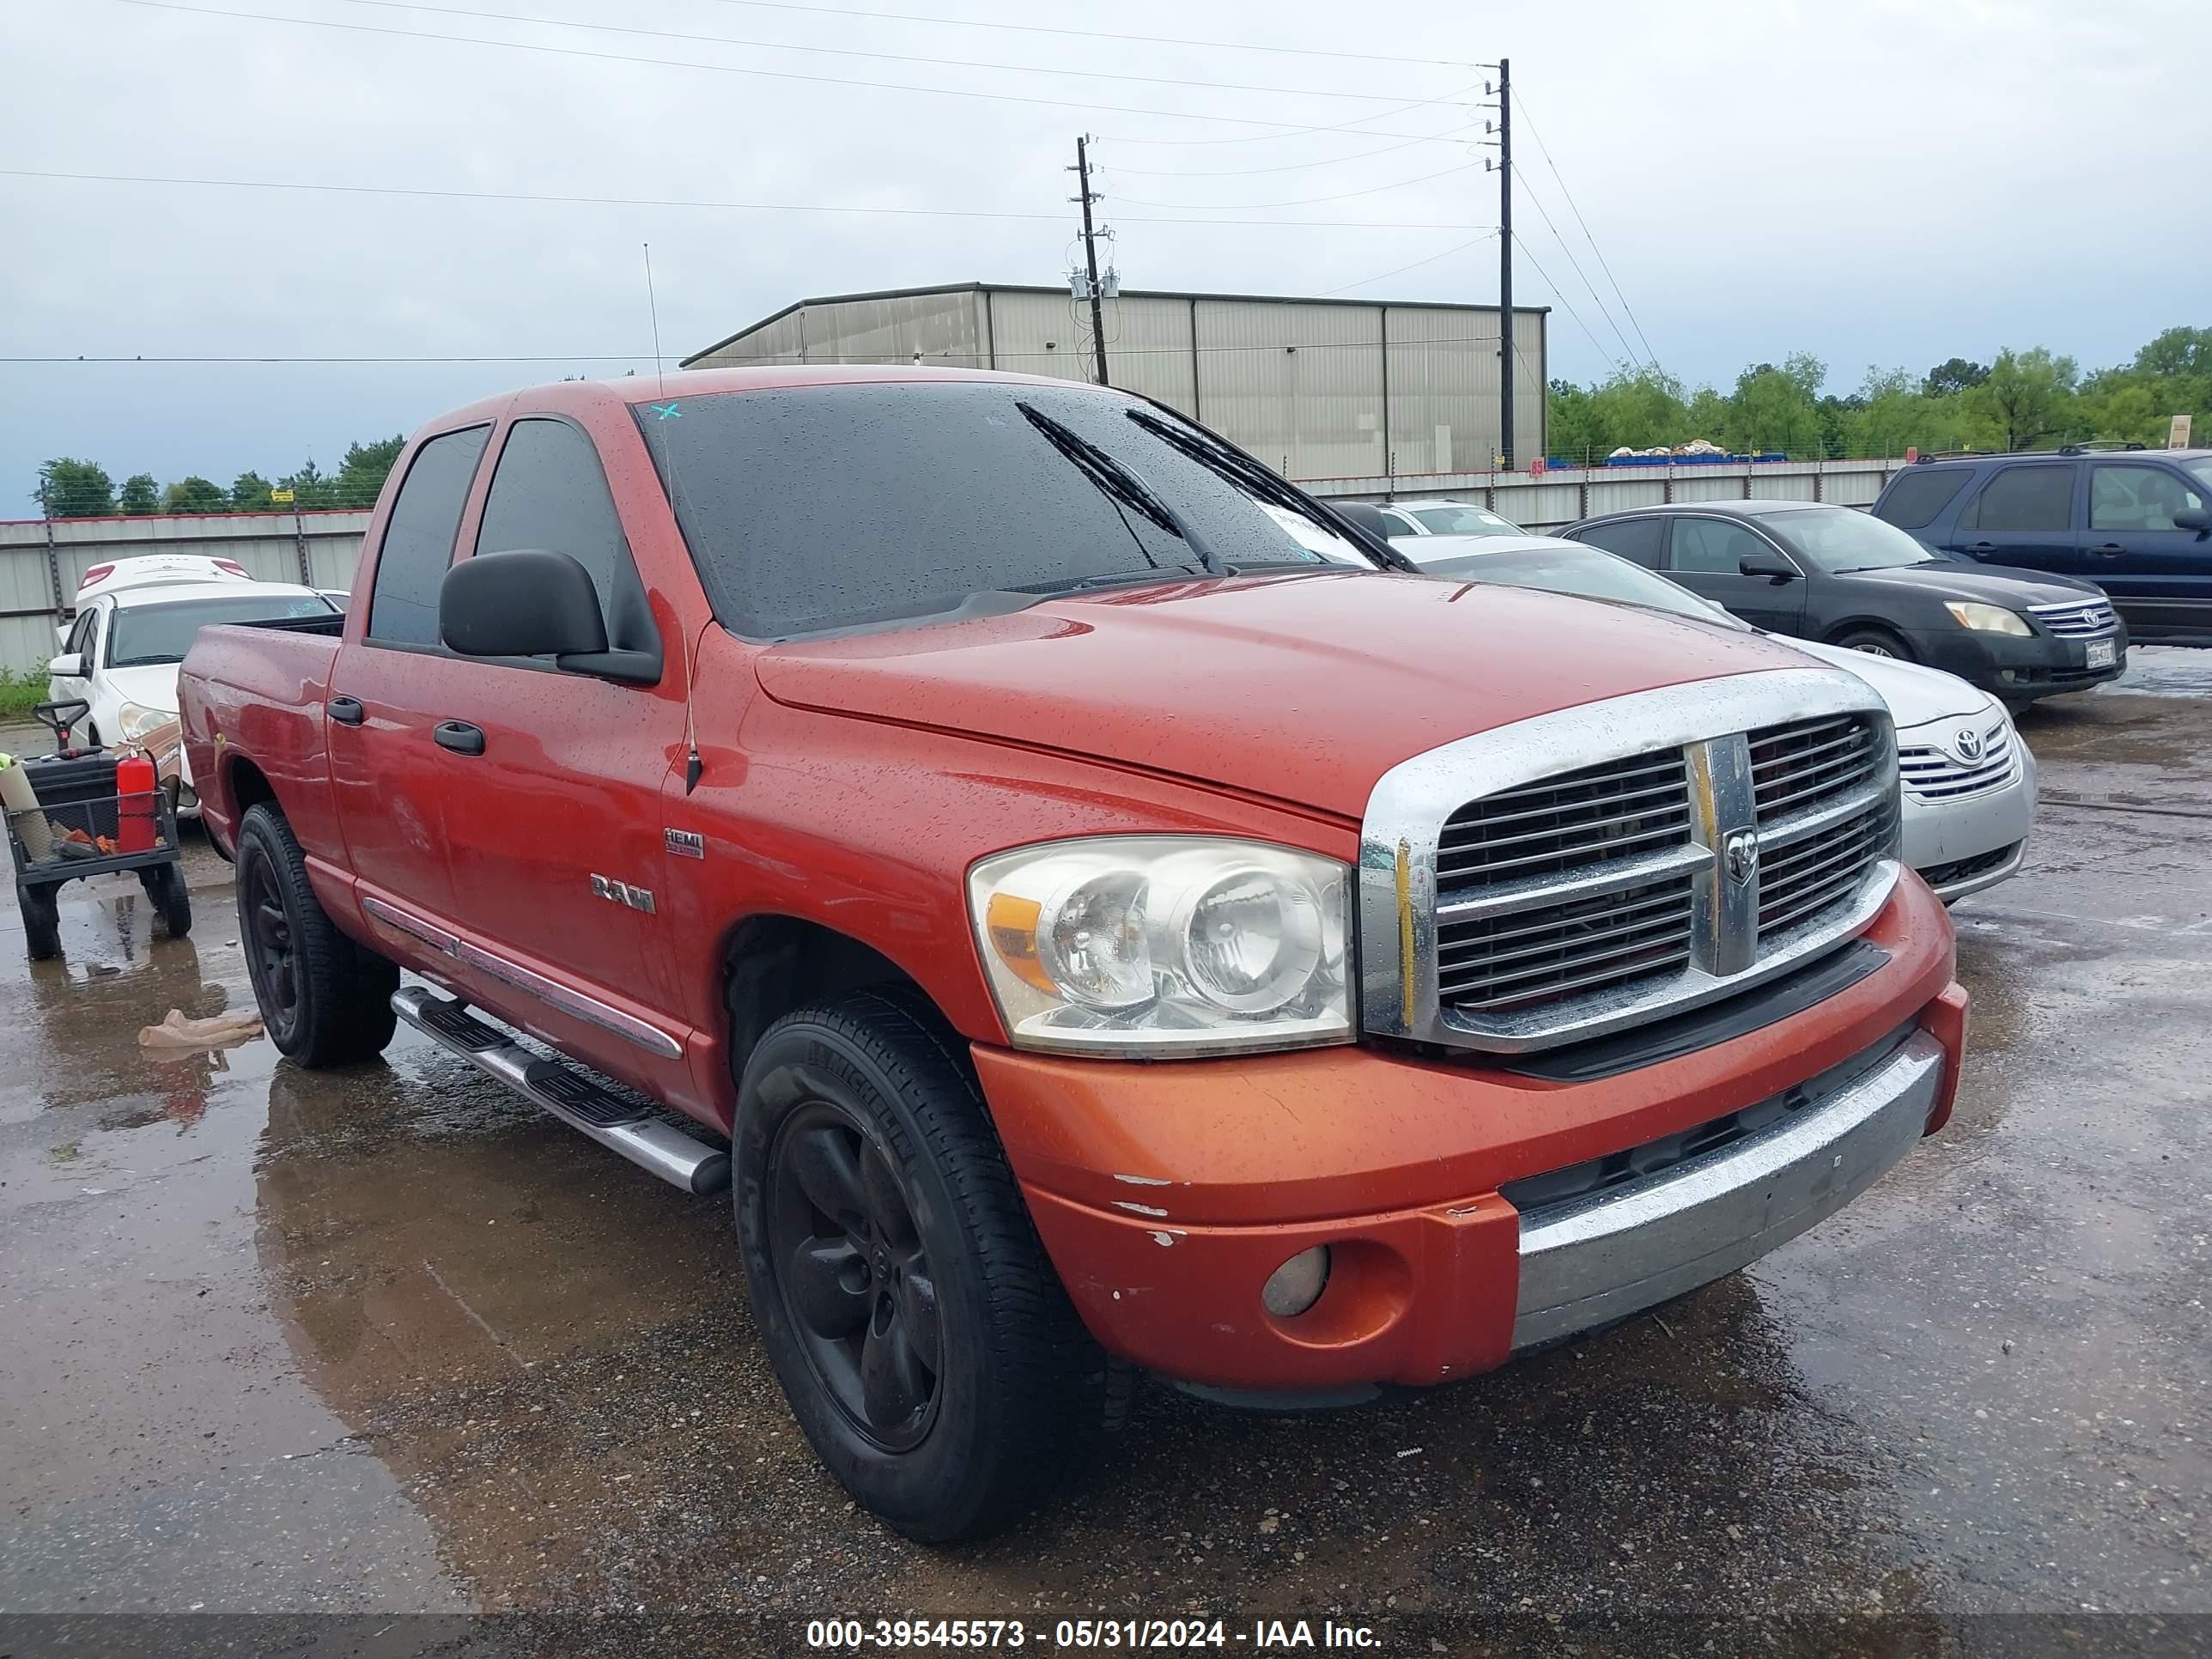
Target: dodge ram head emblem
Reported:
point(1741, 849)
point(1968, 745)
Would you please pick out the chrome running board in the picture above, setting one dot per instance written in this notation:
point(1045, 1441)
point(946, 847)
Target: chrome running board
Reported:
point(659, 1147)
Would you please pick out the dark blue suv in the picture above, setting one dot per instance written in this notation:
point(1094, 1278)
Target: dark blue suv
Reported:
point(2133, 521)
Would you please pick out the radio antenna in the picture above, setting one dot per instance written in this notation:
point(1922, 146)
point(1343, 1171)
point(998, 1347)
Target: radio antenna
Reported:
point(693, 764)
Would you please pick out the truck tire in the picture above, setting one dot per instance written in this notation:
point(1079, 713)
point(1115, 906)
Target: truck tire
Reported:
point(325, 999)
point(919, 1331)
point(166, 893)
point(42, 921)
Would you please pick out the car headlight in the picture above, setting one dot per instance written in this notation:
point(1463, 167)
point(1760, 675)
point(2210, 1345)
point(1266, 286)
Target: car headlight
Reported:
point(1150, 945)
point(1987, 619)
point(134, 721)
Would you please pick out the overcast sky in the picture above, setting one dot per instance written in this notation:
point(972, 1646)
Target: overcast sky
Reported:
point(1874, 183)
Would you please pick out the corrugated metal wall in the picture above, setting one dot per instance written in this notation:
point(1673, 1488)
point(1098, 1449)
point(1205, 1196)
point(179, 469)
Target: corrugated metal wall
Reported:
point(1299, 383)
point(269, 545)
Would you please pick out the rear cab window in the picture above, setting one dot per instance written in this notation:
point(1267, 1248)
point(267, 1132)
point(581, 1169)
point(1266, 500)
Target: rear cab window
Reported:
point(1914, 500)
point(418, 538)
point(1638, 539)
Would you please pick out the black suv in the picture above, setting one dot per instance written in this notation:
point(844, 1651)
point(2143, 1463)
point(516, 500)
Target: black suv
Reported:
point(2133, 521)
point(1833, 574)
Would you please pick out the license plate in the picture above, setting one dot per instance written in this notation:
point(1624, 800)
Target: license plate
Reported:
point(2100, 653)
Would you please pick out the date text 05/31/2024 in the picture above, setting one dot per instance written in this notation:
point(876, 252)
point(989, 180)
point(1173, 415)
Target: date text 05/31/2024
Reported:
point(1263, 1636)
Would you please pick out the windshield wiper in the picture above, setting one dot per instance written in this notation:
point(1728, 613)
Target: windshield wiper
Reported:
point(1254, 479)
point(1120, 485)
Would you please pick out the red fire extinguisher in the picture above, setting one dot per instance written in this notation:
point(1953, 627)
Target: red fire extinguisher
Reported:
point(135, 784)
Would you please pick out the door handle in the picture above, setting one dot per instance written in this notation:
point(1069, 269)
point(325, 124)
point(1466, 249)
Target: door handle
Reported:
point(459, 736)
point(346, 711)
point(2108, 549)
point(1983, 547)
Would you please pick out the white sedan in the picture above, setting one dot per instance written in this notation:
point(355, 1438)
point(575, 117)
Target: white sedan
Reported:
point(1968, 794)
point(120, 655)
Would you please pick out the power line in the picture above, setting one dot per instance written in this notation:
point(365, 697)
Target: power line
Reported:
point(1543, 149)
point(672, 201)
point(1603, 310)
point(732, 69)
point(1090, 34)
point(1565, 304)
point(1283, 166)
point(535, 22)
point(1385, 276)
point(1303, 201)
point(1356, 127)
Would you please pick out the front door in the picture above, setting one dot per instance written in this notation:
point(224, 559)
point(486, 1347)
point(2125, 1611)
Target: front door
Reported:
point(2159, 574)
point(84, 641)
point(2025, 516)
point(1707, 557)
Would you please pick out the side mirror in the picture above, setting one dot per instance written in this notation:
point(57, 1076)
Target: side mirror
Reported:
point(530, 603)
point(1772, 566)
point(2197, 519)
point(1364, 515)
point(70, 666)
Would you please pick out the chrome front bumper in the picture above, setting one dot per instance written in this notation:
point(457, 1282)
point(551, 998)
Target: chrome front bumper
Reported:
point(1597, 1260)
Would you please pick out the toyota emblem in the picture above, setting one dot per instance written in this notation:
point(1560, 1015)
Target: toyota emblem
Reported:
point(1968, 744)
point(1741, 849)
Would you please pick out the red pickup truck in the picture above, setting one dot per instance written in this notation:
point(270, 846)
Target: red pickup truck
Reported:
point(1092, 906)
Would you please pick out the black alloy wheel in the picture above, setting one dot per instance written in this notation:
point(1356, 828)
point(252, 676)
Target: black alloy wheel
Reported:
point(855, 1277)
point(271, 958)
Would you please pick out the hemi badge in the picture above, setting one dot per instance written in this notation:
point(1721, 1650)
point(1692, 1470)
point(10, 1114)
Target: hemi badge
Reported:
point(683, 844)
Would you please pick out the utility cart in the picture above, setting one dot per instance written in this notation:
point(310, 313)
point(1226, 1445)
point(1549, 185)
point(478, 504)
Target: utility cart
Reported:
point(76, 819)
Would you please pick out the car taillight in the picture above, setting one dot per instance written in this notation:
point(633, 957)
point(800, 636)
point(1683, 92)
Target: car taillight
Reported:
point(98, 572)
point(232, 567)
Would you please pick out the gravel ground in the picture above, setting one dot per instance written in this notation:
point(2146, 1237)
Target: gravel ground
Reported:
point(286, 1351)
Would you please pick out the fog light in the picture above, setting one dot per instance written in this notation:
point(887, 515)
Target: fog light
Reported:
point(1298, 1284)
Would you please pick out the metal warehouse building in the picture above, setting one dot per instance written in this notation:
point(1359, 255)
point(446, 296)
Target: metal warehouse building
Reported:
point(1319, 389)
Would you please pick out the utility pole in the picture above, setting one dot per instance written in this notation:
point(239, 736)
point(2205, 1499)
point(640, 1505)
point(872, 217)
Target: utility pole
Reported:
point(1505, 260)
point(1081, 171)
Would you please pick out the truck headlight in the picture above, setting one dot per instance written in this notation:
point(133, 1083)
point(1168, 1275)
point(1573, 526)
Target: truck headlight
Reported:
point(1987, 619)
point(1151, 945)
point(134, 721)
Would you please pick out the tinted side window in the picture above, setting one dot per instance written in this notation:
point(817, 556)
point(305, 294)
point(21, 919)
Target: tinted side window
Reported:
point(1712, 546)
point(550, 492)
point(418, 538)
point(80, 637)
point(2137, 498)
point(1632, 538)
point(2026, 498)
point(1915, 499)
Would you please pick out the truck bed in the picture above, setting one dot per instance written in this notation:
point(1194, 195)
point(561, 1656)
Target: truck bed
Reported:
point(261, 686)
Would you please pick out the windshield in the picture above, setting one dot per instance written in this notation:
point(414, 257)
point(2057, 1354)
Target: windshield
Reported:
point(146, 633)
point(1463, 521)
point(818, 507)
point(1838, 538)
point(1585, 573)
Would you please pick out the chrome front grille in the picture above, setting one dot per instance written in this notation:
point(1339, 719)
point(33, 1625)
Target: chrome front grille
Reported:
point(1798, 767)
point(1931, 773)
point(2074, 621)
point(1510, 961)
point(1594, 868)
point(1822, 869)
point(1641, 803)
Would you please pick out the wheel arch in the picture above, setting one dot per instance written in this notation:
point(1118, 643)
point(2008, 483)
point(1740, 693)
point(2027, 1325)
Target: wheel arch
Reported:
point(772, 963)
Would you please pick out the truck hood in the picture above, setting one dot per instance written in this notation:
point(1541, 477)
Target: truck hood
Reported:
point(1302, 687)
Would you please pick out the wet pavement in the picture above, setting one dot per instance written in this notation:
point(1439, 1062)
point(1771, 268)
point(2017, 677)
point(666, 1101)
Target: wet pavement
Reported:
point(386, 1342)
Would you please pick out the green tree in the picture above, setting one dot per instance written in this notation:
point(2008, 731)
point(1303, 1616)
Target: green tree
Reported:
point(1775, 409)
point(250, 493)
point(311, 488)
point(139, 496)
point(1953, 376)
point(2178, 352)
point(2027, 397)
point(195, 495)
point(75, 489)
point(362, 474)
